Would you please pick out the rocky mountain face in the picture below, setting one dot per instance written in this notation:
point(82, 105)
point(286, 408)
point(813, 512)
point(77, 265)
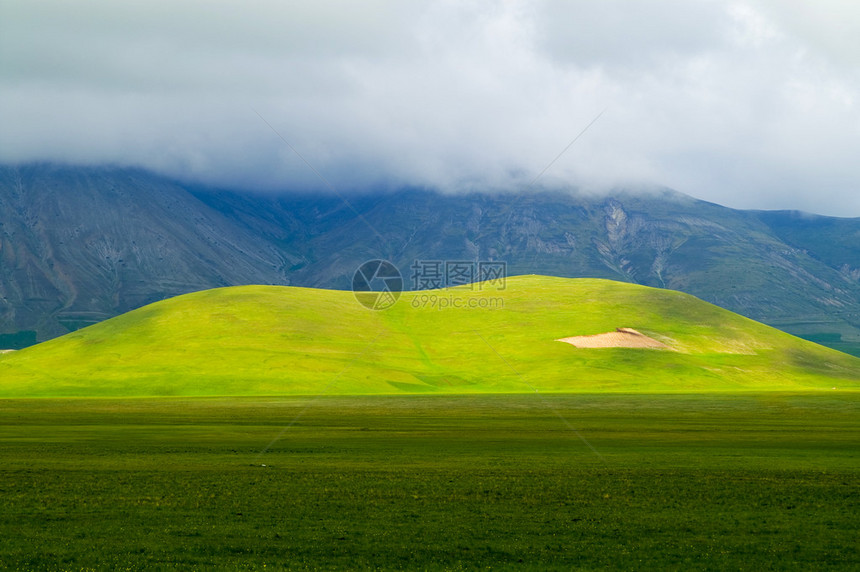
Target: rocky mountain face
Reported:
point(79, 245)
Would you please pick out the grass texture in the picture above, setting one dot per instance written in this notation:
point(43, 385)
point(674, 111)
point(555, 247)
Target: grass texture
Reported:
point(493, 482)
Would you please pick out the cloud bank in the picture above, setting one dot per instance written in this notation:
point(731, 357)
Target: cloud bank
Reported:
point(751, 104)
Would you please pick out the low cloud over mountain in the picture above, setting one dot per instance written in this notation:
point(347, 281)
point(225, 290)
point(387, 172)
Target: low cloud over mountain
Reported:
point(750, 104)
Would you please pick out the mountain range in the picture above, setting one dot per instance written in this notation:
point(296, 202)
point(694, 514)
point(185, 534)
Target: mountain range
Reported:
point(79, 245)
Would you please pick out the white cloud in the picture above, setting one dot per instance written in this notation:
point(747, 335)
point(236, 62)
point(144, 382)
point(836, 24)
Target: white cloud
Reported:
point(750, 104)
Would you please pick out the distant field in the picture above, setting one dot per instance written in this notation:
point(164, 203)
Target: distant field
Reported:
point(267, 340)
point(740, 482)
point(835, 341)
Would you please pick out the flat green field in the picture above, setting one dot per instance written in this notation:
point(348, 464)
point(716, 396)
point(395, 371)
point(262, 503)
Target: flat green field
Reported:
point(767, 481)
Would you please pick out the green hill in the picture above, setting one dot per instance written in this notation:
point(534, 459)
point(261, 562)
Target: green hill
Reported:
point(267, 340)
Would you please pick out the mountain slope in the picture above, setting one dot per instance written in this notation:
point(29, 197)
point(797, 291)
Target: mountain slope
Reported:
point(833, 242)
point(78, 245)
point(257, 340)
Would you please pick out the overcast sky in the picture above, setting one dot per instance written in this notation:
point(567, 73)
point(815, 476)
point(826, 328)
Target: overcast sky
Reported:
point(751, 104)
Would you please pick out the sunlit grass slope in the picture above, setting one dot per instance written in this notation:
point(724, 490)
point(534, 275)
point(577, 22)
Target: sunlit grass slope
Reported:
point(264, 340)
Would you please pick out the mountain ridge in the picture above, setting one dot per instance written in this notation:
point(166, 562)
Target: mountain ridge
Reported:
point(82, 244)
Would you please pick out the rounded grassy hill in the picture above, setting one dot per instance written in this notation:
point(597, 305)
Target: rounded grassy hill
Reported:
point(270, 340)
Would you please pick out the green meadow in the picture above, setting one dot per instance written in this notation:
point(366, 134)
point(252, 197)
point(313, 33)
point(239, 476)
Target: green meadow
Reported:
point(497, 482)
point(262, 427)
point(267, 340)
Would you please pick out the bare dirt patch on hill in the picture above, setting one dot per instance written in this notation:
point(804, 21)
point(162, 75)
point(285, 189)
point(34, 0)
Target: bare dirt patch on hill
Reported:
point(620, 338)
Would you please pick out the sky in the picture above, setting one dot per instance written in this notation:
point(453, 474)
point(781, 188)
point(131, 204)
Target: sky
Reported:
point(750, 104)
